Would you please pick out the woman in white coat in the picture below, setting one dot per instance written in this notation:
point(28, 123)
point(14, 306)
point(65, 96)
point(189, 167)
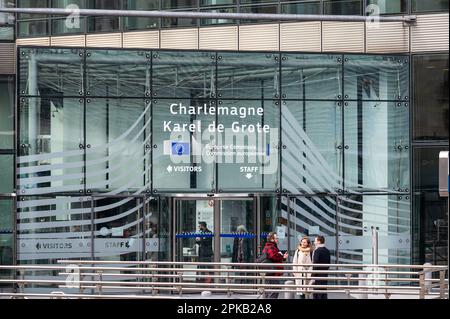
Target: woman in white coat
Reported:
point(302, 256)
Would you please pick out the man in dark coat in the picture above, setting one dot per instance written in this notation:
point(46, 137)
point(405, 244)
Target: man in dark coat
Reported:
point(205, 251)
point(321, 255)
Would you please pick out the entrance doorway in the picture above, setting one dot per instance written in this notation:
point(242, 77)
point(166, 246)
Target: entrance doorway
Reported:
point(215, 230)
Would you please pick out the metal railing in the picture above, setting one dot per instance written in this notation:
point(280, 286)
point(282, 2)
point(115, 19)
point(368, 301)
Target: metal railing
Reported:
point(151, 279)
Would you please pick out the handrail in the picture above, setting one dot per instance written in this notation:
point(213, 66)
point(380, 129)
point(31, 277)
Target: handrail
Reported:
point(245, 264)
point(166, 279)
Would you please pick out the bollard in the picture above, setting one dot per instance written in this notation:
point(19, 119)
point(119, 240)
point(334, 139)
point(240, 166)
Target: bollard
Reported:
point(289, 294)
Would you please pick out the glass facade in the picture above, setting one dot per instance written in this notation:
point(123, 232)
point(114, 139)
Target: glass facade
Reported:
point(131, 127)
point(430, 136)
point(39, 25)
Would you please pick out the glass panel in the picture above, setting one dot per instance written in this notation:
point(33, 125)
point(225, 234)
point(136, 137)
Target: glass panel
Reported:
point(53, 228)
point(217, 2)
point(56, 72)
point(180, 22)
point(268, 9)
point(311, 76)
point(51, 140)
point(7, 94)
point(158, 219)
point(390, 216)
point(184, 74)
point(431, 97)
point(6, 33)
point(118, 133)
point(133, 23)
point(273, 218)
point(61, 26)
point(248, 144)
point(312, 146)
point(194, 241)
point(34, 24)
point(312, 7)
point(33, 28)
point(376, 146)
point(177, 4)
point(105, 23)
point(248, 75)
point(70, 24)
point(118, 229)
point(387, 7)
point(237, 231)
point(342, 7)
point(430, 219)
point(429, 5)
point(6, 258)
point(376, 77)
point(118, 73)
point(310, 216)
point(184, 134)
point(218, 21)
point(6, 216)
point(6, 173)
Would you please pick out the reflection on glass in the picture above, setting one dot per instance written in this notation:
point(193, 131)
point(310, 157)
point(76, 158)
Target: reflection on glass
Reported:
point(388, 215)
point(55, 72)
point(312, 7)
point(218, 21)
point(376, 146)
point(105, 23)
point(376, 77)
point(184, 74)
point(386, 7)
point(181, 160)
point(117, 134)
point(309, 76)
point(431, 101)
point(267, 9)
point(113, 73)
point(140, 23)
point(237, 231)
point(44, 220)
point(118, 229)
point(51, 146)
point(248, 146)
point(342, 7)
point(312, 151)
point(248, 75)
point(6, 173)
point(429, 5)
point(6, 111)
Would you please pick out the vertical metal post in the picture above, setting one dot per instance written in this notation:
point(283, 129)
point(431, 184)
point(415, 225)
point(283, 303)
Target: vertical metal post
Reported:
point(337, 228)
point(422, 285)
point(442, 284)
point(374, 245)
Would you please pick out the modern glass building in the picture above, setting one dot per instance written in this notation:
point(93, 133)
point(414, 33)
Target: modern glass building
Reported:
point(119, 135)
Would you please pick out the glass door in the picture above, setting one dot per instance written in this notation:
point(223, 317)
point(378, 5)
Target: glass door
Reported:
point(215, 230)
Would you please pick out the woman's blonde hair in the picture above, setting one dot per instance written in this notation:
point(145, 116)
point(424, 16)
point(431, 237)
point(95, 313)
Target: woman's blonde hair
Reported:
point(307, 240)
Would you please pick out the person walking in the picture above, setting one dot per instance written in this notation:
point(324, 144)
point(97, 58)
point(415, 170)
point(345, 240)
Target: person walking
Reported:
point(274, 255)
point(321, 255)
point(301, 262)
point(205, 251)
point(242, 252)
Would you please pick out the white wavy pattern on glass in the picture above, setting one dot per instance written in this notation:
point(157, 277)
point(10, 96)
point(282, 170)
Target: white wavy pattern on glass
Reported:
point(313, 168)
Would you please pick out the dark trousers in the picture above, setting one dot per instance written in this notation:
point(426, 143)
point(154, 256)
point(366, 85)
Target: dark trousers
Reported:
point(320, 295)
point(273, 295)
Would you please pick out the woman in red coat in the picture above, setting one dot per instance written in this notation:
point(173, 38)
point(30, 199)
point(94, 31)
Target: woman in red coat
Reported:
point(275, 256)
